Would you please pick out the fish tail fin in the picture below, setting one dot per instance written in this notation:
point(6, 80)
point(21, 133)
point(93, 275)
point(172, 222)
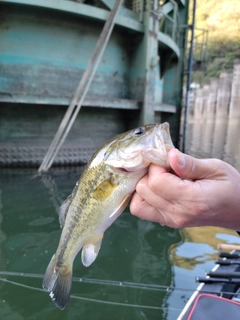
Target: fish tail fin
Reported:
point(58, 281)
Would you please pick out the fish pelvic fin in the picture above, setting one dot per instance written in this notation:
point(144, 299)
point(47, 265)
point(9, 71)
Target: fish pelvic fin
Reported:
point(58, 282)
point(90, 251)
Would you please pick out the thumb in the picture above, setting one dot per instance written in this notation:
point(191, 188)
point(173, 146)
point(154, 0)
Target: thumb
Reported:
point(189, 167)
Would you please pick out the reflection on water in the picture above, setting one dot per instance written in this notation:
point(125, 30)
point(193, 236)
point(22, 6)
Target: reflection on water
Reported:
point(218, 138)
point(134, 252)
point(232, 146)
point(192, 257)
point(193, 251)
point(210, 137)
point(207, 137)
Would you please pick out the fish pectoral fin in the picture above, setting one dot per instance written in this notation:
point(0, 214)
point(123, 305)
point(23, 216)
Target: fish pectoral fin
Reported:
point(105, 188)
point(121, 206)
point(90, 251)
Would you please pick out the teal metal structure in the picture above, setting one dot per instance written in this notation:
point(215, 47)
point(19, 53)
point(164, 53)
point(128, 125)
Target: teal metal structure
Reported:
point(45, 47)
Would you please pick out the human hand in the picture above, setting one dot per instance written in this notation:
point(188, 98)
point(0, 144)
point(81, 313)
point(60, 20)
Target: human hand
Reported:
point(209, 194)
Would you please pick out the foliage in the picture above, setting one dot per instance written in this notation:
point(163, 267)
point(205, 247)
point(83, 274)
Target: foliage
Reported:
point(222, 19)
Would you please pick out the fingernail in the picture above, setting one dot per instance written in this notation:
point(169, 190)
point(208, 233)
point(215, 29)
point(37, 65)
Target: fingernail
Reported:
point(181, 159)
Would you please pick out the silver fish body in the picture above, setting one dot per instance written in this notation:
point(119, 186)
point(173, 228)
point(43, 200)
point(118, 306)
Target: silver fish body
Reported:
point(99, 197)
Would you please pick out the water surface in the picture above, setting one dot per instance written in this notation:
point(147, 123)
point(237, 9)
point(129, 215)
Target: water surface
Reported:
point(143, 271)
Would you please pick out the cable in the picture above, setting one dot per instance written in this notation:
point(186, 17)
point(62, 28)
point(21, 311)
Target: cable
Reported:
point(90, 299)
point(142, 286)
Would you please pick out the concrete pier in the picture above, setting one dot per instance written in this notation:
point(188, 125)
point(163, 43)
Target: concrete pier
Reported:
point(212, 99)
point(215, 121)
point(234, 109)
point(223, 95)
point(220, 99)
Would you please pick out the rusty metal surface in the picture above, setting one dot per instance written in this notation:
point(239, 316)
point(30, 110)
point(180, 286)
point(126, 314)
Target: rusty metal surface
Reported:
point(44, 50)
point(11, 157)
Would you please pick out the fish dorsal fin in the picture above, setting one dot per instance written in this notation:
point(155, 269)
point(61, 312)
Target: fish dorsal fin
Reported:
point(90, 251)
point(63, 211)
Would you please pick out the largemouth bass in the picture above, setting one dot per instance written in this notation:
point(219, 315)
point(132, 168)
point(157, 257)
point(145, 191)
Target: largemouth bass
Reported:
point(99, 197)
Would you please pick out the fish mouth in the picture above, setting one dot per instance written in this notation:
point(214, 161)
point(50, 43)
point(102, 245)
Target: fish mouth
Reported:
point(120, 169)
point(162, 137)
point(153, 147)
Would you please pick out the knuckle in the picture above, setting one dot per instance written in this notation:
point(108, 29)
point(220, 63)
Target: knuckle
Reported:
point(133, 209)
point(218, 164)
point(192, 165)
point(218, 168)
point(181, 222)
point(155, 185)
point(140, 187)
point(134, 212)
point(191, 216)
point(200, 209)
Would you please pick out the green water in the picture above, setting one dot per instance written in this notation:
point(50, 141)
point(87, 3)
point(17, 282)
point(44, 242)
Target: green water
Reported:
point(134, 255)
point(132, 251)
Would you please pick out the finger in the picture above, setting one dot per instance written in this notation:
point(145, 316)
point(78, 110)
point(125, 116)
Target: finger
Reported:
point(146, 191)
point(189, 167)
point(135, 203)
point(143, 210)
point(166, 185)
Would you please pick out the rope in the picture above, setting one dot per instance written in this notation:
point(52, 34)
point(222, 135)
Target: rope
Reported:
point(81, 91)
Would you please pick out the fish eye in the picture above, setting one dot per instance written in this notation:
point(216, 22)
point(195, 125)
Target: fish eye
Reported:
point(139, 131)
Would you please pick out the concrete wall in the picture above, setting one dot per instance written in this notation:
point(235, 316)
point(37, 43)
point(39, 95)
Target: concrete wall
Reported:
point(220, 99)
point(45, 49)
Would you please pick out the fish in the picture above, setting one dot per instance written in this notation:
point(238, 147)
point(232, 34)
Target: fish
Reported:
point(99, 197)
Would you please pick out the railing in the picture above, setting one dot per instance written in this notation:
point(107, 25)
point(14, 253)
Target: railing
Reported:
point(167, 11)
point(168, 19)
point(137, 6)
point(200, 45)
point(200, 50)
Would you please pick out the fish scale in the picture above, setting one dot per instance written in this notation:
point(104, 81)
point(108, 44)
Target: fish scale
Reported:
point(99, 197)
